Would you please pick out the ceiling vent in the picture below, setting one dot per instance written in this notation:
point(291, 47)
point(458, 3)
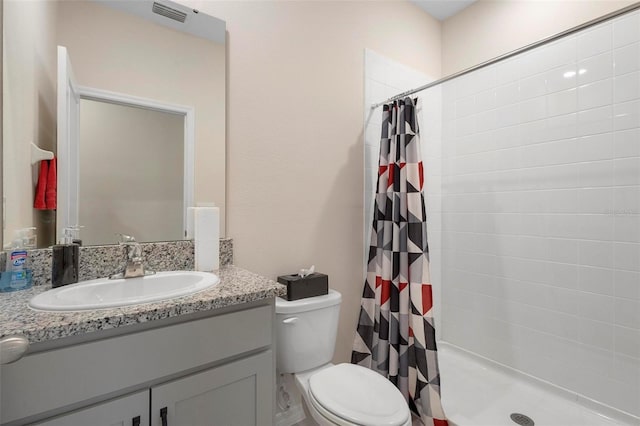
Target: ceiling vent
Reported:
point(169, 12)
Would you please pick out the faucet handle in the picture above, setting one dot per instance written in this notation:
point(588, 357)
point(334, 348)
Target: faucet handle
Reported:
point(124, 239)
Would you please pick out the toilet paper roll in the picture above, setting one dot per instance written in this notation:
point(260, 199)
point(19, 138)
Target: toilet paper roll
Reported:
point(206, 230)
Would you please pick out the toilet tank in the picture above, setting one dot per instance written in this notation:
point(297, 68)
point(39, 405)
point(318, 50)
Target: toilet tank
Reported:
point(306, 331)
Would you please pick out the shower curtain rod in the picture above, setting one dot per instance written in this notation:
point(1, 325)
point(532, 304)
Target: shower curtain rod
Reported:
point(523, 49)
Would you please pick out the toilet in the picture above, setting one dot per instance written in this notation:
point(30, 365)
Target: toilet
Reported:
point(342, 394)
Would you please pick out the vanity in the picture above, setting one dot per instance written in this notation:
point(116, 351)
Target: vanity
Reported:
point(202, 359)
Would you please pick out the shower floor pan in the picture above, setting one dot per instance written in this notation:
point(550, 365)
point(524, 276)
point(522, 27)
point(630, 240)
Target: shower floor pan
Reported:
point(476, 392)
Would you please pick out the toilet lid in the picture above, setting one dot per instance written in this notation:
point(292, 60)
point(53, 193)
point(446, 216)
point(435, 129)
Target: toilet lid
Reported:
point(359, 395)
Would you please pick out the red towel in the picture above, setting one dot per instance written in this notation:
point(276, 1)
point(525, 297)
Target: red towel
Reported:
point(51, 193)
point(39, 202)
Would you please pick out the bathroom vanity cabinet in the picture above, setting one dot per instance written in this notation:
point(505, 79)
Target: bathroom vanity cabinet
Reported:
point(215, 368)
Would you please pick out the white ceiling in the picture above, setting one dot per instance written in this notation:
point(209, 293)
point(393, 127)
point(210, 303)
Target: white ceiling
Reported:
point(442, 9)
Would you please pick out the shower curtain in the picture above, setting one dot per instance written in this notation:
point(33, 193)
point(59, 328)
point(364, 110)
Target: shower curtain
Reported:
point(396, 334)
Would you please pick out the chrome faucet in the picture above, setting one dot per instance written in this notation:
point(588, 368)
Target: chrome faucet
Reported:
point(135, 264)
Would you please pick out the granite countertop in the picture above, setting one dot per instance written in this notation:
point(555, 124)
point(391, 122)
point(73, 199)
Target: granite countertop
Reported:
point(236, 286)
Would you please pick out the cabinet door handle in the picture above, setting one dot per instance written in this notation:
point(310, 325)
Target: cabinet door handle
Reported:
point(163, 416)
point(135, 421)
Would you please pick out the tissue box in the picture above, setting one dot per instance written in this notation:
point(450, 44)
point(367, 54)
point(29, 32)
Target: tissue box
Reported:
point(312, 285)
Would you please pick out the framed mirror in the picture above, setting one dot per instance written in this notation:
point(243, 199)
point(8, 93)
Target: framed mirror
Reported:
point(135, 63)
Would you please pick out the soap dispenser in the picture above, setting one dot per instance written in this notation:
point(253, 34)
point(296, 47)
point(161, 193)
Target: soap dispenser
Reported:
point(18, 274)
point(66, 257)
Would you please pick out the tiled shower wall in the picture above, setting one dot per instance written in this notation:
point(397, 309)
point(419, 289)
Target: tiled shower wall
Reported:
point(541, 212)
point(385, 78)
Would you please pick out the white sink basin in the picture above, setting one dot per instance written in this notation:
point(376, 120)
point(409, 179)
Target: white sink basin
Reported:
point(106, 293)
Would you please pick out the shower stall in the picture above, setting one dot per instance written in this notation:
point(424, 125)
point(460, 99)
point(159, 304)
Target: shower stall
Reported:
point(532, 170)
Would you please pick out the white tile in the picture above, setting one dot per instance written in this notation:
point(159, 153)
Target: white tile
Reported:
point(626, 341)
point(596, 307)
point(507, 94)
point(595, 227)
point(562, 226)
point(507, 116)
point(508, 70)
point(626, 87)
point(373, 135)
point(594, 41)
point(626, 59)
point(627, 284)
point(596, 120)
point(560, 324)
point(595, 95)
point(533, 62)
point(561, 52)
point(596, 280)
point(561, 127)
point(561, 299)
point(594, 360)
point(626, 29)
point(534, 202)
point(378, 92)
point(596, 253)
point(486, 100)
point(596, 200)
point(486, 120)
point(371, 157)
point(596, 174)
point(564, 102)
point(626, 200)
point(504, 137)
point(626, 143)
point(594, 147)
point(563, 176)
point(375, 66)
point(533, 224)
point(532, 87)
point(627, 228)
point(562, 78)
point(533, 109)
point(530, 247)
point(596, 333)
point(563, 275)
point(562, 250)
point(465, 106)
point(627, 171)
point(532, 132)
point(626, 369)
point(595, 68)
point(563, 200)
point(626, 115)
point(627, 313)
point(465, 126)
point(626, 255)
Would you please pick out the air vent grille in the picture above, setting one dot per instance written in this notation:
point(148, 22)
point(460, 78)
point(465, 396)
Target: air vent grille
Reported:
point(169, 12)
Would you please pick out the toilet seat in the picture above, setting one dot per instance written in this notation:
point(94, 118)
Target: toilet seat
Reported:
point(348, 394)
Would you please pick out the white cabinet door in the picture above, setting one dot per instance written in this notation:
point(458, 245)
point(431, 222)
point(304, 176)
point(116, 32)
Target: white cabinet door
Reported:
point(130, 410)
point(239, 393)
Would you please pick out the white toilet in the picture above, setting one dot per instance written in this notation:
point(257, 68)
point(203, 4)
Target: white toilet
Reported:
point(343, 394)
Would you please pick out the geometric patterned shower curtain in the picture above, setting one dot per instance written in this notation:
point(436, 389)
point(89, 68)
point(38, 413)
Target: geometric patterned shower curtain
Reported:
point(396, 334)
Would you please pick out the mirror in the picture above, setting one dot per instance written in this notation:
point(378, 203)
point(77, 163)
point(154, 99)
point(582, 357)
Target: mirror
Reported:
point(116, 48)
point(128, 137)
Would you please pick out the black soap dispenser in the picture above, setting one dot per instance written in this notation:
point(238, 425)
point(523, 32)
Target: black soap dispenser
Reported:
point(66, 258)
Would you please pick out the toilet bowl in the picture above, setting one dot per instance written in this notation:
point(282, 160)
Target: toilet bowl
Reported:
point(343, 394)
point(347, 394)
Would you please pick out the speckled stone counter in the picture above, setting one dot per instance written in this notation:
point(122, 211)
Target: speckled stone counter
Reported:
point(102, 261)
point(236, 286)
